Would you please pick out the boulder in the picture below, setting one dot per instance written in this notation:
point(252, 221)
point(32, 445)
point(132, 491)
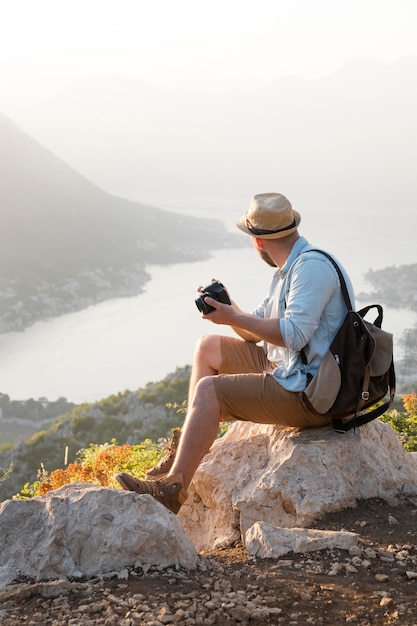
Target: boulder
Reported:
point(84, 530)
point(266, 541)
point(259, 484)
point(289, 478)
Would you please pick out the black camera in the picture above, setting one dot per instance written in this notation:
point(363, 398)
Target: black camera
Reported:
point(217, 292)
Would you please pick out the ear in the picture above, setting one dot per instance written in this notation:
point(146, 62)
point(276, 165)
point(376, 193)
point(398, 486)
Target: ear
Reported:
point(259, 243)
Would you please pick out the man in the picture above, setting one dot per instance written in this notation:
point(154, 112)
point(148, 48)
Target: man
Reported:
point(234, 377)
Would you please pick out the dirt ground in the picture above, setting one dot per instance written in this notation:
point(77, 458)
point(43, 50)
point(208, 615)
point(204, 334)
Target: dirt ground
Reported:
point(378, 586)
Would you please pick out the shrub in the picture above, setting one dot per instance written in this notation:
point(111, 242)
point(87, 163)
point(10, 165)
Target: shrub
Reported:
point(405, 424)
point(98, 464)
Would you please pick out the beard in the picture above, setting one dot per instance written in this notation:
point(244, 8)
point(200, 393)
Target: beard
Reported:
point(265, 257)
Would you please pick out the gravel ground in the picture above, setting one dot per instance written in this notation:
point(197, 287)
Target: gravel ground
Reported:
point(376, 583)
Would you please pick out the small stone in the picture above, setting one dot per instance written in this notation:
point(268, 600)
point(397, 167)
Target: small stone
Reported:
point(350, 569)
point(283, 563)
point(402, 555)
point(335, 569)
point(411, 575)
point(381, 578)
point(55, 588)
point(274, 610)
point(94, 607)
point(370, 553)
point(240, 614)
point(306, 597)
point(355, 551)
point(385, 555)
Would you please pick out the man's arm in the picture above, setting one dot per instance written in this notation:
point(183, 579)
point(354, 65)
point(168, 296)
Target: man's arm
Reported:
point(247, 326)
point(244, 334)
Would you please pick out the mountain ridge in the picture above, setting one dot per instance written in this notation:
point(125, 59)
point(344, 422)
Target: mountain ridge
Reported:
point(66, 243)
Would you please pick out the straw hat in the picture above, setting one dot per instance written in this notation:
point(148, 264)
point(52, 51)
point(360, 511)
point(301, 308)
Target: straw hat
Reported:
point(270, 216)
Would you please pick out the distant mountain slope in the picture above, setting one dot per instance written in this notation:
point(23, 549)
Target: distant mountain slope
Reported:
point(56, 221)
point(65, 242)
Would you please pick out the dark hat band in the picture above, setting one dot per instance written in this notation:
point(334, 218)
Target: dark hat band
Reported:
point(261, 231)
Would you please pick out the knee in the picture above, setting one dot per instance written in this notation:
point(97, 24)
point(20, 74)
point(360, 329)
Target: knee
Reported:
point(205, 392)
point(207, 342)
point(208, 348)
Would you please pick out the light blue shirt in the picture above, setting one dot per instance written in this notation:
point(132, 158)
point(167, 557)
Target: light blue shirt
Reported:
point(306, 296)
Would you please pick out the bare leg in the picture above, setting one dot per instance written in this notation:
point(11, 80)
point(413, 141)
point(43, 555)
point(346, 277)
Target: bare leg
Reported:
point(202, 421)
point(199, 431)
point(207, 361)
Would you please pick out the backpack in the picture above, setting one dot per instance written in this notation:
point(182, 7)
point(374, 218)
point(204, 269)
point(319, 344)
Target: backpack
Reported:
point(356, 372)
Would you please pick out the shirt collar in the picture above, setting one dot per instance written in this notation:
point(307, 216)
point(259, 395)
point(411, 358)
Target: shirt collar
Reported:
point(296, 250)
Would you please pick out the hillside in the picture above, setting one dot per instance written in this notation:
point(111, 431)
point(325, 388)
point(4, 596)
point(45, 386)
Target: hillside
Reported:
point(66, 243)
point(129, 417)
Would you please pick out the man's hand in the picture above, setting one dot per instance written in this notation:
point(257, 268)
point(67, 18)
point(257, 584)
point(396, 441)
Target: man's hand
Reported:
point(222, 314)
point(247, 326)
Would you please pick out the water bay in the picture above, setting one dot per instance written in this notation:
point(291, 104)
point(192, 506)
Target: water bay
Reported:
point(127, 342)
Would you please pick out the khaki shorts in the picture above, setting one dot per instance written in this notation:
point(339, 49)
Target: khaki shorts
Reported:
point(246, 391)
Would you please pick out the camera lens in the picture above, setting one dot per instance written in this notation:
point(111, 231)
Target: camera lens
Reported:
point(216, 291)
point(202, 306)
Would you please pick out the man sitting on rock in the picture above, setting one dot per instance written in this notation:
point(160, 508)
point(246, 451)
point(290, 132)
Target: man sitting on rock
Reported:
point(234, 377)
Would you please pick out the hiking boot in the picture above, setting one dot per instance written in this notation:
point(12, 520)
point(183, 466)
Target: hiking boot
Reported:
point(161, 470)
point(170, 491)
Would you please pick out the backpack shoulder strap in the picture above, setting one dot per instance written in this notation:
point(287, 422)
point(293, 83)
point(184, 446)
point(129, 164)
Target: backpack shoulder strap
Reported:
point(345, 292)
point(343, 286)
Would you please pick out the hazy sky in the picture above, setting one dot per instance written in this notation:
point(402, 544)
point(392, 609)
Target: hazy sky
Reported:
point(161, 40)
point(46, 45)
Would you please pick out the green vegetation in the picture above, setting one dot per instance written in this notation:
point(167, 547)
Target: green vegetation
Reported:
point(128, 417)
point(34, 410)
point(405, 424)
point(160, 392)
point(98, 464)
point(6, 473)
point(22, 418)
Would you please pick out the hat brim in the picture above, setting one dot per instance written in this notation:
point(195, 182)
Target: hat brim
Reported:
point(241, 224)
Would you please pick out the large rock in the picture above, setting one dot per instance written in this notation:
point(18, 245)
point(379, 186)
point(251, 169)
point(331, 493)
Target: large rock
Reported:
point(88, 530)
point(257, 482)
point(289, 478)
point(268, 541)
